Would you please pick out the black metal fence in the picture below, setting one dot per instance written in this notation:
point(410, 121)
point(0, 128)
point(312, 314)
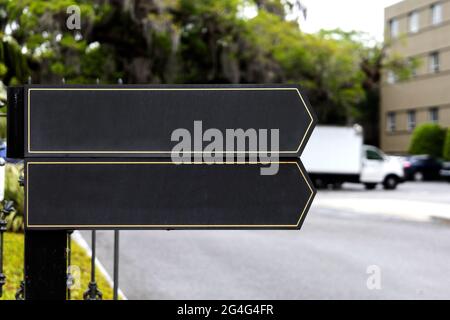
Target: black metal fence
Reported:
point(92, 292)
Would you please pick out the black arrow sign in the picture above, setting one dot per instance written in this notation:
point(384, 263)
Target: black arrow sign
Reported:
point(98, 158)
point(151, 194)
point(94, 157)
point(137, 121)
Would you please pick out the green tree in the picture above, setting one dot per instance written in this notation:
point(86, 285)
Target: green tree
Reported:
point(14, 69)
point(202, 41)
point(427, 139)
point(446, 151)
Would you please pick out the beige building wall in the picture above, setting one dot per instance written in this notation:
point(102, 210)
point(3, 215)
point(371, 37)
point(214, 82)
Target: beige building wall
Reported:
point(427, 91)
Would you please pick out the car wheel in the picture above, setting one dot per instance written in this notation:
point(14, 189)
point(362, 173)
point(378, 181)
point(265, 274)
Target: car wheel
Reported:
point(390, 183)
point(418, 176)
point(370, 186)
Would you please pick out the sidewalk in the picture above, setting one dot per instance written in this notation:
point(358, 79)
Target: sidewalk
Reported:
point(401, 208)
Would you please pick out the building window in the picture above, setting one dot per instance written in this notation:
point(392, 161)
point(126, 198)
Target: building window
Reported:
point(413, 22)
point(411, 120)
point(391, 122)
point(391, 77)
point(393, 28)
point(434, 62)
point(433, 114)
point(436, 13)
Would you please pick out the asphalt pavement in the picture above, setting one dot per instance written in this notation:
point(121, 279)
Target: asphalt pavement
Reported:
point(328, 259)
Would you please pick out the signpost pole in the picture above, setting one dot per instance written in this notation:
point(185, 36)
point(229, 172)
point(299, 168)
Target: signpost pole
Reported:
point(116, 265)
point(45, 265)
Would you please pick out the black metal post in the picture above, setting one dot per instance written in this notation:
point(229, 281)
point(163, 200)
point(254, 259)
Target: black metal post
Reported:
point(93, 293)
point(70, 279)
point(94, 253)
point(45, 265)
point(116, 265)
point(2, 276)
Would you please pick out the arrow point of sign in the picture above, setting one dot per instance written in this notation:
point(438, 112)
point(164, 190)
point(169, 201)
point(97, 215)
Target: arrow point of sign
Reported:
point(312, 120)
point(311, 193)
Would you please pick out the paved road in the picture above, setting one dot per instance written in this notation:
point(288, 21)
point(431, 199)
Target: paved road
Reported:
point(327, 259)
point(412, 201)
point(423, 191)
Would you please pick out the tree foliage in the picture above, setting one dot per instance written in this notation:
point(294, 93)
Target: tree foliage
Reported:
point(446, 151)
point(191, 41)
point(427, 139)
point(184, 41)
point(14, 193)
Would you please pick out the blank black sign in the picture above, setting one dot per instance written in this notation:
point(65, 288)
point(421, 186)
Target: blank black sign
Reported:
point(77, 194)
point(137, 121)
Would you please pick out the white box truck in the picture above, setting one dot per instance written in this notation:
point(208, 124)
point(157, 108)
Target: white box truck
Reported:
point(335, 155)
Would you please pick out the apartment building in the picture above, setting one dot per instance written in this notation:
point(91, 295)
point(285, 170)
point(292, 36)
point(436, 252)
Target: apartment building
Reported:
point(418, 30)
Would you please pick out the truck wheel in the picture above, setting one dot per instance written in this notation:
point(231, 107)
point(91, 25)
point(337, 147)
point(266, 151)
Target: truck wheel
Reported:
point(370, 186)
point(337, 185)
point(390, 182)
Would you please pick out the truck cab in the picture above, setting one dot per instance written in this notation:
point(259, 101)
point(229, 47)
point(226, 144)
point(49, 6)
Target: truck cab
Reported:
point(377, 167)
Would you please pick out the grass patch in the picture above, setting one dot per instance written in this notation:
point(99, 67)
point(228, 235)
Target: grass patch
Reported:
point(13, 269)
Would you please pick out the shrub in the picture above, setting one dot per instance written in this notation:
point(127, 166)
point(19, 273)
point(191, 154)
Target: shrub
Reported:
point(15, 193)
point(427, 139)
point(446, 151)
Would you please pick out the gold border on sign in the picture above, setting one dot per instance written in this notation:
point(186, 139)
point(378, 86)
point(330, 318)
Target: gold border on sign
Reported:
point(188, 226)
point(162, 89)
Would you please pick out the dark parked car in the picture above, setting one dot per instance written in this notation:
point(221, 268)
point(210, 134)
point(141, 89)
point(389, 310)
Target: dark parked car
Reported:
point(421, 168)
point(445, 171)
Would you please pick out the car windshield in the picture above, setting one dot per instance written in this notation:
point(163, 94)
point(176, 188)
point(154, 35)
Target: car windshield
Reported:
point(374, 154)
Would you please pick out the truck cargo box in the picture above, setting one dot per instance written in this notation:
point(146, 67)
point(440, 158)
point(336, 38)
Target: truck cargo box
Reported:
point(334, 150)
